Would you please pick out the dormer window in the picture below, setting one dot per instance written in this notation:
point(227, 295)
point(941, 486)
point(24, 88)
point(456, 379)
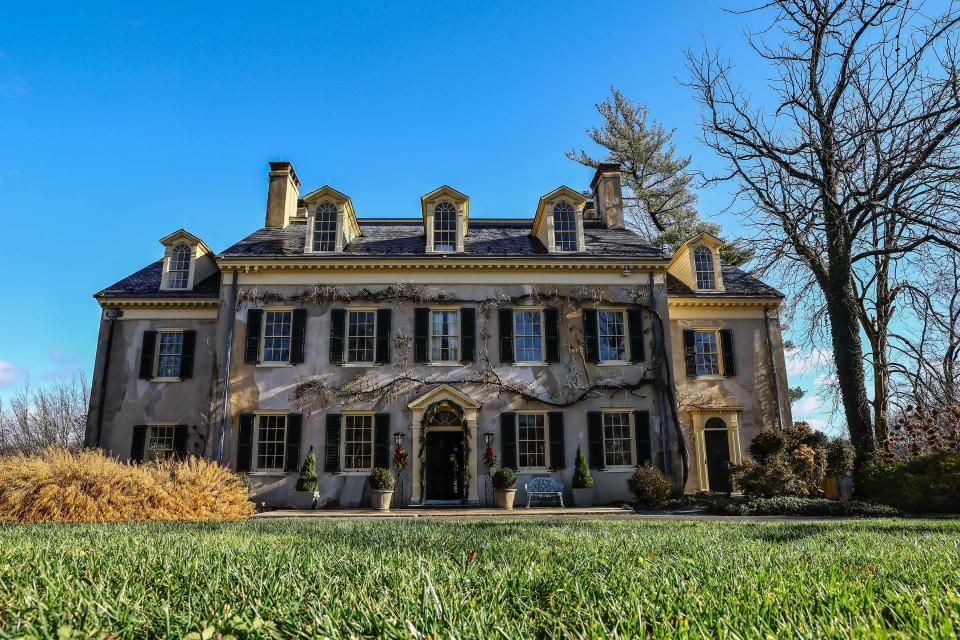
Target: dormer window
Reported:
point(325, 227)
point(445, 227)
point(703, 266)
point(179, 272)
point(564, 227)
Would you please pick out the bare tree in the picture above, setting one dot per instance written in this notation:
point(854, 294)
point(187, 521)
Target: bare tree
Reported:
point(862, 136)
point(37, 418)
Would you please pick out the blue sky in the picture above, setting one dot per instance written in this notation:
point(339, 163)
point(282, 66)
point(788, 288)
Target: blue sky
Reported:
point(125, 121)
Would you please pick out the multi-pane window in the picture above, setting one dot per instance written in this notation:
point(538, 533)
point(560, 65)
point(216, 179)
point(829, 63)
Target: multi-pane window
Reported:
point(706, 348)
point(325, 227)
point(169, 354)
point(444, 336)
point(271, 442)
point(445, 227)
point(564, 227)
point(703, 266)
point(612, 333)
point(527, 335)
point(159, 442)
point(617, 449)
point(531, 440)
point(361, 335)
point(357, 442)
point(178, 273)
point(276, 336)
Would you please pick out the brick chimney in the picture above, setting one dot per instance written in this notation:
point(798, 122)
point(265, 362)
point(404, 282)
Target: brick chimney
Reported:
point(608, 195)
point(282, 194)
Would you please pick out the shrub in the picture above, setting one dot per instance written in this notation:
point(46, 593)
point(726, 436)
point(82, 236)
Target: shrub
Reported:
point(504, 479)
point(928, 483)
point(767, 443)
point(797, 506)
point(790, 461)
point(840, 456)
point(308, 473)
point(772, 478)
point(581, 472)
point(381, 480)
point(58, 485)
point(650, 486)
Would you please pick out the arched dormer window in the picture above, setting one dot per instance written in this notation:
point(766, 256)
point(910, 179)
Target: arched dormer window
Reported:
point(703, 266)
point(325, 227)
point(564, 227)
point(178, 276)
point(444, 227)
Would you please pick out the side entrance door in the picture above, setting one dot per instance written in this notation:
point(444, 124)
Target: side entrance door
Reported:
point(718, 457)
point(444, 465)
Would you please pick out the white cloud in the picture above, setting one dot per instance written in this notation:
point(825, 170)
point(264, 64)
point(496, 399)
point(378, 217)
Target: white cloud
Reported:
point(8, 372)
point(801, 363)
point(807, 404)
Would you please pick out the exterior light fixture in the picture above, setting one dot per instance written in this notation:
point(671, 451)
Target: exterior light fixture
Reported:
point(488, 439)
point(398, 438)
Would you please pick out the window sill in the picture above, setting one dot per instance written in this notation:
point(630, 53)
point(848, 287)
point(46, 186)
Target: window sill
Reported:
point(612, 363)
point(619, 469)
point(524, 470)
point(273, 365)
point(531, 363)
point(269, 472)
point(711, 377)
point(355, 472)
point(166, 379)
point(359, 365)
point(447, 364)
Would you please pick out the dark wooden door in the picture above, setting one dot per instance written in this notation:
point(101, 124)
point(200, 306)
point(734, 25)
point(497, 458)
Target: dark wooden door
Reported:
point(718, 455)
point(444, 465)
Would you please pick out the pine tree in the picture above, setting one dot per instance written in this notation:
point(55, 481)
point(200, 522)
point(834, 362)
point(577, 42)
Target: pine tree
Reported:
point(581, 472)
point(308, 473)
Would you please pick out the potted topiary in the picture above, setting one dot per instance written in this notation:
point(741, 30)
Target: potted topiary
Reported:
point(504, 491)
point(306, 495)
point(381, 489)
point(582, 482)
point(837, 484)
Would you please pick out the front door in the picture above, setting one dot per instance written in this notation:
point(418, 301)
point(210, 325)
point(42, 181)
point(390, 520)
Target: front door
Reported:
point(444, 465)
point(718, 457)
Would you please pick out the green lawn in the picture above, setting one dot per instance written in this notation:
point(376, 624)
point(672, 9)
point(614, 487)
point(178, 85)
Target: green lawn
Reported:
point(871, 578)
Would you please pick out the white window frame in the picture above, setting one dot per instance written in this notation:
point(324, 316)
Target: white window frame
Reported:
point(575, 231)
point(343, 442)
point(255, 461)
point(631, 436)
point(262, 362)
point(456, 227)
point(172, 426)
point(546, 441)
point(459, 336)
point(626, 336)
point(697, 271)
point(543, 337)
point(719, 354)
point(156, 377)
point(168, 261)
point(336, 227)
point(373, 357)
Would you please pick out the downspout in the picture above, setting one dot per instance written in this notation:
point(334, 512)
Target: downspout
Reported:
point(661, 399)
point(225, 417)
point(112, 319)
point(773, 367)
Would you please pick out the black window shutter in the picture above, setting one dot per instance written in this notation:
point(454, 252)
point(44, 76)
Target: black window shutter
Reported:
point(729, 358)
point(188, 350)
point(690, 352)
point(508, 439)
point(298, 336)
point(557, 454)
point(180, 440)
point(254, 322)
point(384, 336)
point(146, 354)
point(381, 440)
point(641, 423)
point(245, 442)
point(595, 439)
point(421, 334)
point(338, 326)
point(551, 334)
point(294, 433)
point(468, 334)
point(591, 335)
point(635, 326)
point(332, 452)
point(506, 335)
point(138, 443)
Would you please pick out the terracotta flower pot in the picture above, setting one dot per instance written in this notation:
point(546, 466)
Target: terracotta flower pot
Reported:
point(380, 500)
point(583, 497)
point(504, 499)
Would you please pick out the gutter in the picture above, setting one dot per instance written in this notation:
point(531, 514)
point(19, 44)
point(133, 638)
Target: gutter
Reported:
point(773, 368)
point(225, 417)
point(102, 396)
point(661, 399)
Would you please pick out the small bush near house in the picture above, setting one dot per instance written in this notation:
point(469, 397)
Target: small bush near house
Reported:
point(650, 486)
point(381, 480)
point(504, 479)
point(581, 472)
point(58, 485)
point(791, 461)
point(797, 506)
point(308, 473)
point(840, 456)
point(928, 483)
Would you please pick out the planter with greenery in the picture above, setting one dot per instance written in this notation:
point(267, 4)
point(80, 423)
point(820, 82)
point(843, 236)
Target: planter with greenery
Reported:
point(837, 484)
point(381, 489)
point(504, 487)
point(650, 487)
point(306, 495)
point(582, 482)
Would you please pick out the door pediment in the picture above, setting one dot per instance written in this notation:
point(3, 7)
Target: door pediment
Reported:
point(443, 392)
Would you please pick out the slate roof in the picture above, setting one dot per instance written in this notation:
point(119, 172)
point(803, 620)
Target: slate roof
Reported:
point(735, 283)
point(146, 283)
point(405, 239)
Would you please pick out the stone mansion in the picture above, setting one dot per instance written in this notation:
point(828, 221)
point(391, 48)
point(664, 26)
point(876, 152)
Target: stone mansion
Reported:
point(445, 332)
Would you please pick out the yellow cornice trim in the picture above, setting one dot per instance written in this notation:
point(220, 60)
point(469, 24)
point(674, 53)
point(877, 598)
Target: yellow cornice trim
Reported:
point(446, 264)
point(682, 301)
point(194, 303)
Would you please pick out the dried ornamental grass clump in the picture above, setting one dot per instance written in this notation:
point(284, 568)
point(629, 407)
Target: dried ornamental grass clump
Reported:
point(61, 486)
